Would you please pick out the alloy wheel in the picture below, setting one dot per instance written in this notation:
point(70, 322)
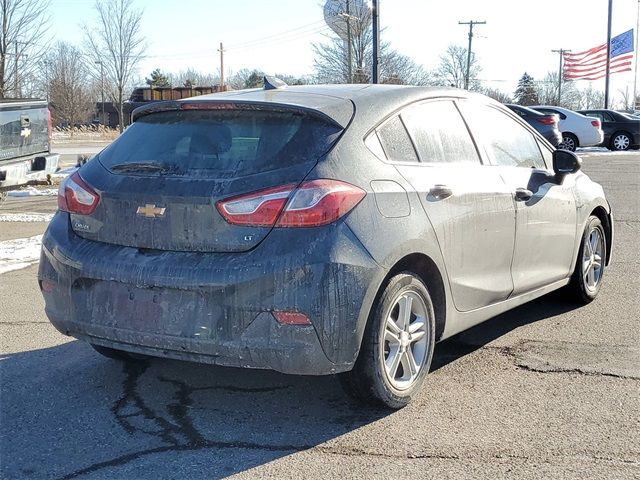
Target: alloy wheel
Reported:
point(621, 142)
point(592, 254)
point(568, 143)
point(406, 338)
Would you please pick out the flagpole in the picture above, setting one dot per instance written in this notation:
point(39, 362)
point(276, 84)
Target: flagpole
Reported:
point(606, 85)
point(635, 76)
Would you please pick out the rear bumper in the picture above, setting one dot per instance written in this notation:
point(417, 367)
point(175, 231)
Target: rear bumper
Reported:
point(591, 138)
point(214, 308)
point(23, 171)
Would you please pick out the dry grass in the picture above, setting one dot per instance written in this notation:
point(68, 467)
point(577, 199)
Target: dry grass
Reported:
point(98, 133)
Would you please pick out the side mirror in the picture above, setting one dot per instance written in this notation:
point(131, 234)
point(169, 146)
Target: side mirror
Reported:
point(565, 162)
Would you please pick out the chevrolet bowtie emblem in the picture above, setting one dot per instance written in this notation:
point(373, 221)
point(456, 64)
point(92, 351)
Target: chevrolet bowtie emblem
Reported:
point(151, 211)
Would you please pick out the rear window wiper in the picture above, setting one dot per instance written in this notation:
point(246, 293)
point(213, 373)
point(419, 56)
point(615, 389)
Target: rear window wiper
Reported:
point(144, 167)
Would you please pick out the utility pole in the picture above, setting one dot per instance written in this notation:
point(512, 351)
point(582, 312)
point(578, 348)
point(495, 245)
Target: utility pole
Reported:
point(562, 51)
point(606, 82)
point(471, 23)
point(375, 13)
point(15, 72)
point(221, 50)
point(102, 87)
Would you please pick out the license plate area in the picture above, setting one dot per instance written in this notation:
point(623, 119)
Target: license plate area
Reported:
point(151, 310)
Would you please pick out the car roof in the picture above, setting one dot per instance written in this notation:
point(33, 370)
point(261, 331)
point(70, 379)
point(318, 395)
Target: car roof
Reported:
point(339, 101)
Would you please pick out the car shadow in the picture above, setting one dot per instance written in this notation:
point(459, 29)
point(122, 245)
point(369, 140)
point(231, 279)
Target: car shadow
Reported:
point(67, 412)
point(464, 343)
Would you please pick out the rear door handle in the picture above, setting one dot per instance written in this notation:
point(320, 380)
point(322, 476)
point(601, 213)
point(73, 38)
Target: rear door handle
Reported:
point(522, 194)
point(440, 192)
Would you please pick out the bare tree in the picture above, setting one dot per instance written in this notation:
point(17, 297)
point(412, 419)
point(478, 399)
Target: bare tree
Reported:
point(69, 85)
point(23, 29)
point(453, 68)
point(193, 78)
point(591, 98)
point(496, 94)
point(115, 44)
point(332, 57)
point(547, 90)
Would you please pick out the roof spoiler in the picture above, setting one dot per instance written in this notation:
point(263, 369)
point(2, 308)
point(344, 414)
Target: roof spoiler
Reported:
point(226, 104)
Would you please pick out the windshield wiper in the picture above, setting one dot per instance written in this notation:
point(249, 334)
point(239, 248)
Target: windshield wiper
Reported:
point(144, 167)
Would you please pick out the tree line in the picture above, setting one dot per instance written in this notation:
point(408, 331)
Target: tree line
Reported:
point(74, 77)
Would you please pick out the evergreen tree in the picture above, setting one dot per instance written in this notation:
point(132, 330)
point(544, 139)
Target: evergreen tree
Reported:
point(526, 92)
point(158, 79)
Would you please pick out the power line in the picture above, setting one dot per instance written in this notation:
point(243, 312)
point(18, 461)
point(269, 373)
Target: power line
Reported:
point(286, 38)
point(294, 31)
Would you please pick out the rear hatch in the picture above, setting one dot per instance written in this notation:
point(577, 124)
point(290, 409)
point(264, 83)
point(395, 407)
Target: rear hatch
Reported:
point(24, 129)
point(160, 181)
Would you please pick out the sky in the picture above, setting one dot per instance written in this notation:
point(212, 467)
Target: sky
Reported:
point(276, 36)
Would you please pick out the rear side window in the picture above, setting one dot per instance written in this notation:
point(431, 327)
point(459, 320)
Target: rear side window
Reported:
point(219, 143)
point(396, 142)
point(439, 133)
point(507, 142)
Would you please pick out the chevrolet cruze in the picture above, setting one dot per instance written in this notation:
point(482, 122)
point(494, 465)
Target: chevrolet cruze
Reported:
point(318, 230)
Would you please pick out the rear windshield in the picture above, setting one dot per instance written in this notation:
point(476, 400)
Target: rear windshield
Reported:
point(218, 143)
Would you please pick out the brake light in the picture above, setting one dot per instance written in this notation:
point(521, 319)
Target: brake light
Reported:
point(548, 120)
point(75, 196)
point(596, 123)
point(313, 203)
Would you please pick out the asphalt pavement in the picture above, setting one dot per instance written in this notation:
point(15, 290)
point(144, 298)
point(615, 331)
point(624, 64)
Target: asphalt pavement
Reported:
point(548, 390)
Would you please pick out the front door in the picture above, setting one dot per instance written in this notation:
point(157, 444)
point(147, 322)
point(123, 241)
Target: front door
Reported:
point(545, 209)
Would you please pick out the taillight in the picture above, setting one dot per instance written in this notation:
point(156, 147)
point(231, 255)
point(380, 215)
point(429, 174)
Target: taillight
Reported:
point(596, 123)
point(313, 203)
point(548, 120)
point(75, 196)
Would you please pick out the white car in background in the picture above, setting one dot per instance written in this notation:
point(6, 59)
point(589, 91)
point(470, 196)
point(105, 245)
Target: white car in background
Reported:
point(577, 130)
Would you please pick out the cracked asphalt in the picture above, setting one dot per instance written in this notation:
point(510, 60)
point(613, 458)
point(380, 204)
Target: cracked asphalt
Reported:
point(548, 390)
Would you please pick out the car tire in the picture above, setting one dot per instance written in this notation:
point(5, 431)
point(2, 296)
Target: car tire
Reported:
point(569, 142)
point(620, 141)
point(397, 347)
point(118, 354)
point(590, 263)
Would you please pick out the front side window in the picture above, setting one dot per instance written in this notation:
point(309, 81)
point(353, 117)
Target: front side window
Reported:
point(507, 142)
point(439, 133)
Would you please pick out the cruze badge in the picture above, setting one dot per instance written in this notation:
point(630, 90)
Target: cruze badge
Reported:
point(151, 211)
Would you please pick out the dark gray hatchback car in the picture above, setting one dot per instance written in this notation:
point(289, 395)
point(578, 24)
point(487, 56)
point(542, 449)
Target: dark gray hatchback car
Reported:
point(318, 230)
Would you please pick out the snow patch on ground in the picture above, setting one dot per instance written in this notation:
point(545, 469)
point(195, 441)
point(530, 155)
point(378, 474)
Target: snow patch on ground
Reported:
point(595, 151)
point(26, 217)
point(19, 253)
point(65, 172)
point(34, 192)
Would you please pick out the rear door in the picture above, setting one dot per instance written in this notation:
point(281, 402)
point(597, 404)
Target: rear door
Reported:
point(469, 205)
point(160, 181)
point(545, 210)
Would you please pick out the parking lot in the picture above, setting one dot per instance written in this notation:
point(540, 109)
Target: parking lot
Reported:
point(549, 390)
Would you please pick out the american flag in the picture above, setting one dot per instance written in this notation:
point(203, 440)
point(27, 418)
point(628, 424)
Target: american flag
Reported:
point(592, 64)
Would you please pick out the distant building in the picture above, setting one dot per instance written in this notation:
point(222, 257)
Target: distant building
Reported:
point(142, 96)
